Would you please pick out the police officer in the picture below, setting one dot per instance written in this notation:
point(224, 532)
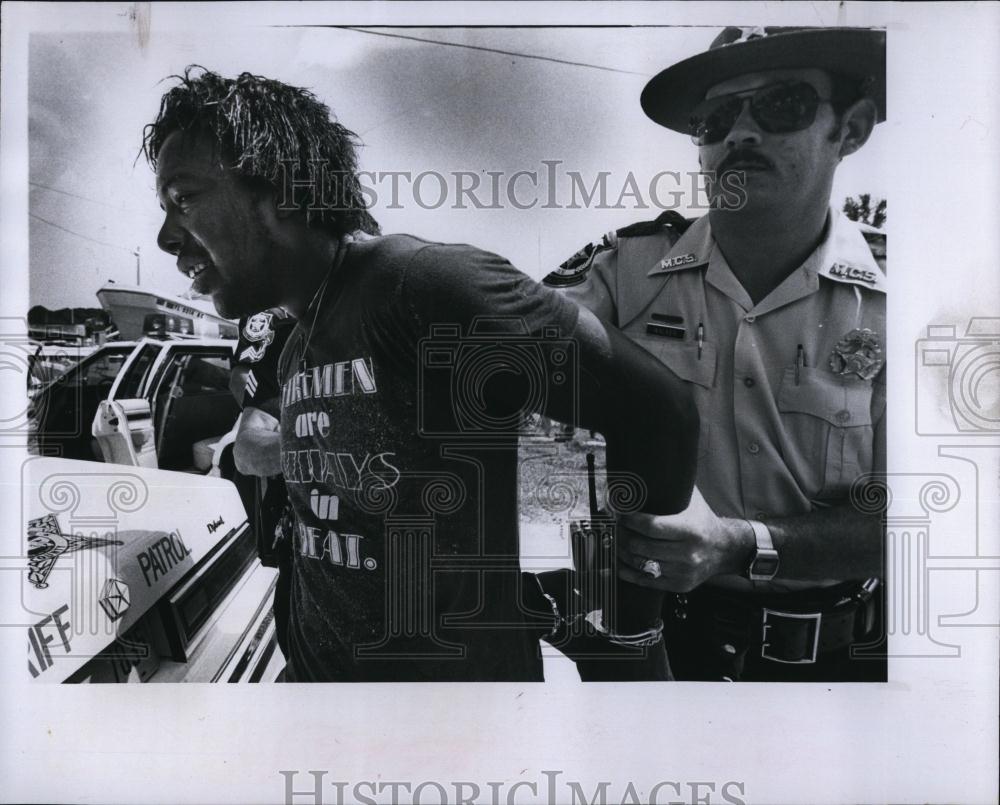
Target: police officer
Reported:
point(773, 309)
point(257, 448)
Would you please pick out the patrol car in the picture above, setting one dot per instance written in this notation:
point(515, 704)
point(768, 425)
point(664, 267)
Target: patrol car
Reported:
point(137, 569)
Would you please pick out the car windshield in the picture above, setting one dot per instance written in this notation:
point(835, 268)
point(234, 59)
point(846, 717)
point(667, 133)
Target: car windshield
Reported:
point(99, 368)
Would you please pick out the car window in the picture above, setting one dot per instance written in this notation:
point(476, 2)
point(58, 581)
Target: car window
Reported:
point(206, 373)
point(133, 381)
point(192, 372)
point(103, 369)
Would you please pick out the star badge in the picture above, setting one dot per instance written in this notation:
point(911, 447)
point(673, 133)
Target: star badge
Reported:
point(858, 353)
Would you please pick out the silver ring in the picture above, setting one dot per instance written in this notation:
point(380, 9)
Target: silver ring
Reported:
point(652, 567)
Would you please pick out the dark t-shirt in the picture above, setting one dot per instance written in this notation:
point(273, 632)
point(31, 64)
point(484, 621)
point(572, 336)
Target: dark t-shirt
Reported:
point(399, 450)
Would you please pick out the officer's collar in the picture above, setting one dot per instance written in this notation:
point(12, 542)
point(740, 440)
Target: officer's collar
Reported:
point(843, 256)
point(692, 250)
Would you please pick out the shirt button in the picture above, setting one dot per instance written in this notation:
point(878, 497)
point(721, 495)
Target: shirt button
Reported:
point(753, 447)
point(749, 382)
point(760, 516)
point(750, 319)
point(843, 416)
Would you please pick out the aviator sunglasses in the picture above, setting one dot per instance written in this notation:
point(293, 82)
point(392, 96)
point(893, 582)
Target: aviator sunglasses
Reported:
point(777, 109)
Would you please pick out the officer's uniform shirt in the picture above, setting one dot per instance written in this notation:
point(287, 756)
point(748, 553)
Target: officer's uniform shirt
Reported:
point(262, 337)
point(776, 440)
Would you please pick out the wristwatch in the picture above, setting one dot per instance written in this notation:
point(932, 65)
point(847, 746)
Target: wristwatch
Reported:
point(764, 566)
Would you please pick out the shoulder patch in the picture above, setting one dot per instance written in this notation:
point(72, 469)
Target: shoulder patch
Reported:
point(575, 270)
point(256, 335)
point(258, 327)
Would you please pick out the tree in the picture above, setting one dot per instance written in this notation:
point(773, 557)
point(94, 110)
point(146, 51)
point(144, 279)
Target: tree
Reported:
point(861, 210)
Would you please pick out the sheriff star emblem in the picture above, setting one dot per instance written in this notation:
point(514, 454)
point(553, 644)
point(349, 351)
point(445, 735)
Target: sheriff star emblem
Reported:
point(46, 543)
point(858, 353)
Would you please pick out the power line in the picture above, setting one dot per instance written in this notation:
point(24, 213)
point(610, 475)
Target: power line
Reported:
point(479, 47)
point(73, 195)
point(86, 198)
point(78, 235)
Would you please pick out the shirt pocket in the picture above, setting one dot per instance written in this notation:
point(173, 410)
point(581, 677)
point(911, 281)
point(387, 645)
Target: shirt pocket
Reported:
point(827, 430)
point(682, 358)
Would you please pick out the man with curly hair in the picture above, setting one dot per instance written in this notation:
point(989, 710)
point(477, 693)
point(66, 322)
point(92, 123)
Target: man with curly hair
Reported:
point(401, 465)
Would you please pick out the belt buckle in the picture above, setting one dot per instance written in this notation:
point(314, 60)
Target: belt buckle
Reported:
point(815, 617)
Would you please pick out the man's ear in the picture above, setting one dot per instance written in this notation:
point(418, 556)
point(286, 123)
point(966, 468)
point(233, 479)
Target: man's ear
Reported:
point(857, 123)
point(271, 204)
point(281, 211)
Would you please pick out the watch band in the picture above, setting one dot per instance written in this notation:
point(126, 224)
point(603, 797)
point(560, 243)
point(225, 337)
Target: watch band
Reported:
point(764, 566)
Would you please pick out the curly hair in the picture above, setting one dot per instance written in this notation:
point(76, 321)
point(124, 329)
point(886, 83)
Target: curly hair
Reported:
point(263, 126)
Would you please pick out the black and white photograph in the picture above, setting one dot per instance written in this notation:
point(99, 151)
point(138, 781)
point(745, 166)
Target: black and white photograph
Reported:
point(350, 348)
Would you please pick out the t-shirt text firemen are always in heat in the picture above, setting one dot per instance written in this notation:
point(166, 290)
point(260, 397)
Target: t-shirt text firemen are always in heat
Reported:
point(331, 469)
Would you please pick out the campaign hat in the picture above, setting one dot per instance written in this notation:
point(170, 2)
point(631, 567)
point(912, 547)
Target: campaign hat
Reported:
point(856, 53)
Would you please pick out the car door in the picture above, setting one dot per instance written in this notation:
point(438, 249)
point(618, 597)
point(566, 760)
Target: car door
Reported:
point(122, 425)
point(67, 406)
point(191, 402)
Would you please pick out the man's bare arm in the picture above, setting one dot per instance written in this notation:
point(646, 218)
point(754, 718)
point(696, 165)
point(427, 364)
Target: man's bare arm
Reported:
point(839, 543)
point(843, 542)
point(257, 450)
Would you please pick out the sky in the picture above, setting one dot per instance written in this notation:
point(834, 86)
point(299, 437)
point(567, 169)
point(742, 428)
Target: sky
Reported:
point(550, 101)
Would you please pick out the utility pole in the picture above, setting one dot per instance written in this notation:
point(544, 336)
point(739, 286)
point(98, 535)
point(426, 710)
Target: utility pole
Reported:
point(136, 253)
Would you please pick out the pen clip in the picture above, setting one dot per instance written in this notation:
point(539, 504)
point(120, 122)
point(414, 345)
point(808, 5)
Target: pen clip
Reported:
point(800, 361)
point(701, 338)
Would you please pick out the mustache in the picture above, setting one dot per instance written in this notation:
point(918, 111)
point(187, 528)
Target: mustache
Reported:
point(745, 157)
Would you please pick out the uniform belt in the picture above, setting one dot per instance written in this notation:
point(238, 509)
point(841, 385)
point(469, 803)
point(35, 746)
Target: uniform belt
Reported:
point(793, 628)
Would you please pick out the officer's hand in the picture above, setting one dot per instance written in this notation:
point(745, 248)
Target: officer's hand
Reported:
point(688, 547)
